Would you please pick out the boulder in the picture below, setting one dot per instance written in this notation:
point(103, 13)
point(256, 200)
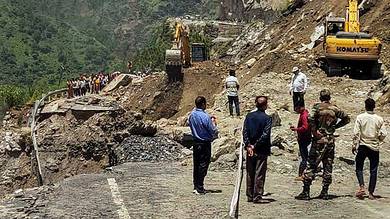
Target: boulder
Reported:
point(276, 120)
point(250, 62)
point(120, 80)
point(221, 147)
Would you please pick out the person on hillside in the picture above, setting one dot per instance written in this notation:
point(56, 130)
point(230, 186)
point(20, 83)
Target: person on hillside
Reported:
point(204, 131)
point(324, 119)
point(298, 87)
point(257, 140)
point(88, 84)
point(304, 138)
point(97, 84)
point(83, 86)
point(232, 87)
point(129, 66)
point(75, 87)
point(69, 84)
point(93, 84)
point(369, 133)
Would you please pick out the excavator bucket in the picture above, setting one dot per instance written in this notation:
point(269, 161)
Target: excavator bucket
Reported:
point(173, 65)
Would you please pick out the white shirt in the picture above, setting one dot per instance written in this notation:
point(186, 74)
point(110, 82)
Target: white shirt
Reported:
point(369, 130)
point(298, 82)
point(232, 86)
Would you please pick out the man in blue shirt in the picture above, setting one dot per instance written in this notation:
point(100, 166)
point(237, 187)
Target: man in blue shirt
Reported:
point(204, 131)
point(257, 140)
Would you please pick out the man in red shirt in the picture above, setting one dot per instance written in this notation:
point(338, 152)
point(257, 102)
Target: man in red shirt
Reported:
point(304, 137)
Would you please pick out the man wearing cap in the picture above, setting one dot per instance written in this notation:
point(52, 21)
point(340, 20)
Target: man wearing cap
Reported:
point(324, 119)
point(298, 87)
point(232, 87)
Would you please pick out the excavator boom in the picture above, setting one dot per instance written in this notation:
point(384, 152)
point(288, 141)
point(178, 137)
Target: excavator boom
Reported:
point(352, 23)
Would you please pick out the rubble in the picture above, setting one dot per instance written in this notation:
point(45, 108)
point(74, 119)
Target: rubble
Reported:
point(150, 149)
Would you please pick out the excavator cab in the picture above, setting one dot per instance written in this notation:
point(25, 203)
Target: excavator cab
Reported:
point(333, 25)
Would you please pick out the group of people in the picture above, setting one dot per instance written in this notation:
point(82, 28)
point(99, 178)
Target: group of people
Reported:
point(92, 84)
point(316, 139)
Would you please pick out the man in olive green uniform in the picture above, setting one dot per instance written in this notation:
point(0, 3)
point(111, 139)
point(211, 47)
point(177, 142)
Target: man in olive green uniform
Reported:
point(324, 119)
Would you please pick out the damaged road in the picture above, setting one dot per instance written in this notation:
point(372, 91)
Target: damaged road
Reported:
point(156, 190)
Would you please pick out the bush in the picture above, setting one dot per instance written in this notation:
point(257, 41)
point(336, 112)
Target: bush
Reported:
point(11, 95)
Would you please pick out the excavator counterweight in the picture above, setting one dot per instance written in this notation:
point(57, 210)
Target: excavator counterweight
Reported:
point(347, 49)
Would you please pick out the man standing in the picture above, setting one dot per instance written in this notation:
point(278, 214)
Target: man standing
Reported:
point(232, 87)
point(304, 138)
point(298, 87)
point(257, 140)
point(204, 131)
point(324, 119)
point(369, 133)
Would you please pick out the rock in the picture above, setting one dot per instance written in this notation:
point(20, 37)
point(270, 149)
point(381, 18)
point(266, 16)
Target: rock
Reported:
point(18, 193)
point(162, 123)
point(220, 147)
point(120, 80)
point(250, 62)
point(186, 152)
point(9, 142)
point(157, 94)
point(183, 121)
point(276, 120)
point(275, 151)
point(228, 158)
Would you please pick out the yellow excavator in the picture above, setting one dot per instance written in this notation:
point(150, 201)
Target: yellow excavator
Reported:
point(347, 49)
point(179, 55)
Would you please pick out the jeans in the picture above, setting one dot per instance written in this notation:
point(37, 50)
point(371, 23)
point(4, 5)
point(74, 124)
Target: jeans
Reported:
point(304, 152)
point(373, 156)
point(298, 97)
point(201, 159)
point(234, 100)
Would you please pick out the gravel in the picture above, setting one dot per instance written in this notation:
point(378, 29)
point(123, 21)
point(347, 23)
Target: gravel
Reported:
point(152, 149)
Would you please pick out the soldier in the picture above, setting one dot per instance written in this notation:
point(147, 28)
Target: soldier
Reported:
point(324, 119)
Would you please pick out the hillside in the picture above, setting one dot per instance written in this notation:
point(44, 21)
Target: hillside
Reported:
point(38, 37)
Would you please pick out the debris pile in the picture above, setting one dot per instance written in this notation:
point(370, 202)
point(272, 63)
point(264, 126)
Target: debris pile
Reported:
point(151, 149)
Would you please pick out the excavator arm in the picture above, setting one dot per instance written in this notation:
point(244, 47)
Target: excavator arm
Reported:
point(352, 23)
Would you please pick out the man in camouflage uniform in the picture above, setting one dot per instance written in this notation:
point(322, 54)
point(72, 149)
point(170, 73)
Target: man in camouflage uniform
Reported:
point(324, 119)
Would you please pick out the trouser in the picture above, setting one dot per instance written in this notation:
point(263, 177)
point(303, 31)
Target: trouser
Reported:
point(256, 169)
point(234, 100)
point(298, 97)
point(304, 152)
point(373, 156)
point(201, 159)
point(327, 163)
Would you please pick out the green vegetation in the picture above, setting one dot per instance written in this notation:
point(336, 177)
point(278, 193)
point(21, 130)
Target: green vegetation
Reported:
point(44, 42)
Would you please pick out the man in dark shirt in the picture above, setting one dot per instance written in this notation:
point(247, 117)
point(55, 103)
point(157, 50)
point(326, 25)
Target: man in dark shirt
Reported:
point(257, 140)
point(304, 137)
point(204, 131)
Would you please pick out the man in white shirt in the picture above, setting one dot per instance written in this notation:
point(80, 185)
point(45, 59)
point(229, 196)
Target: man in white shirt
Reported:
point(298, 87)
point(369, 133)
point(232, 87)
